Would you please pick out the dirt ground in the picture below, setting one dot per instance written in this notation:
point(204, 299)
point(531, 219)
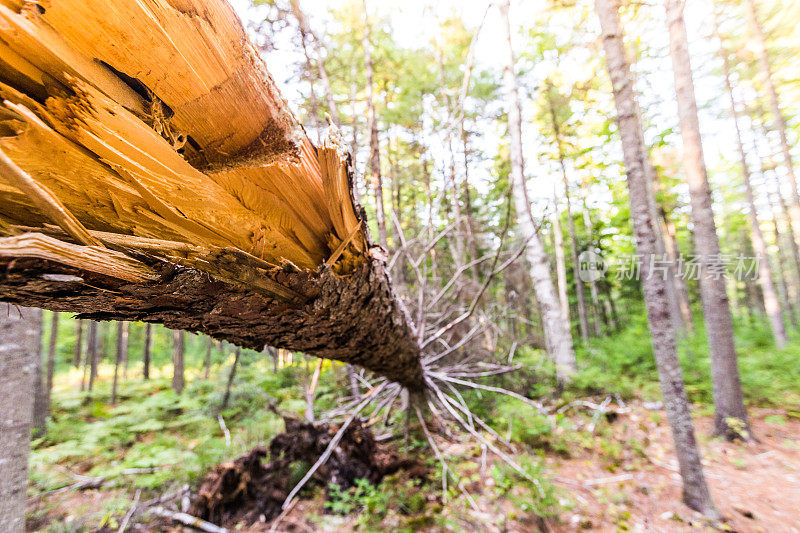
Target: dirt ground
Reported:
point(756, 486)
point(620, 476)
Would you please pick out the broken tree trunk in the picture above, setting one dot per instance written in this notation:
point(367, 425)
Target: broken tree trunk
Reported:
point(174, 186)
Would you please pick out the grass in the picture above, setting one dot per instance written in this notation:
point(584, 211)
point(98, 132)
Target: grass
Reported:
point(623, 364)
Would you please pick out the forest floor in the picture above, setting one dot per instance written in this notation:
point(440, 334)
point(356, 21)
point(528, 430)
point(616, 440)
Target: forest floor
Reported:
point(615, 472)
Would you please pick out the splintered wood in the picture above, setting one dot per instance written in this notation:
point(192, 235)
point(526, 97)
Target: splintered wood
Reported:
point(152, 131)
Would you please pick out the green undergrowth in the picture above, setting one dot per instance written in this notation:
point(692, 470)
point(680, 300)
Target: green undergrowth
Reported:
point(623, 364)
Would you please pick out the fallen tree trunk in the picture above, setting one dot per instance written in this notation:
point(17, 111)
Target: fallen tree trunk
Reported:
point(150, 170)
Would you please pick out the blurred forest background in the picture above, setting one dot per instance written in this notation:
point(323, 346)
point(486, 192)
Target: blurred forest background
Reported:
point(128, 411)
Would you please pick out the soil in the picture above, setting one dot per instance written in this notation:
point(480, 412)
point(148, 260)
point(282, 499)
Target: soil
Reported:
point(619, 476)
point(247, 490)
point(756, 486)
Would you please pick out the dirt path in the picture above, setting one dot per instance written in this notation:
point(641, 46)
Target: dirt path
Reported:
point(628, 480)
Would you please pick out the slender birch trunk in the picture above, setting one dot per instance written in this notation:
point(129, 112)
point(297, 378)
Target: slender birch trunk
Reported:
point(730, 415)
point(599, 306)
point(583, 314)
point(561, 264)
point(19, 348)
point(771, 303)
point(557, 335)
point(695, 490)
point(376, 182)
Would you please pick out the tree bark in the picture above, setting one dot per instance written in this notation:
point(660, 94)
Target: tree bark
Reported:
point(730, 416)
point(787, 302)
point(19, 348)
point(178, 348)
point(120, 356)
point(765, 279)
point(146, 353)
point(231, 376)
point(92, 353)
point(777, 114)
point(207, 363)
point(587, 223)
point(39, 389)
point(376, 182)
point(51, 360)
point(557, 335)
point(695, 490)
point(785, 211)
point(78, 343)
point(561, 266)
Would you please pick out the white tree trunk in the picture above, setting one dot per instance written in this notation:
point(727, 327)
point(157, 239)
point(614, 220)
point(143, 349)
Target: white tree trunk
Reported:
point(557, 335)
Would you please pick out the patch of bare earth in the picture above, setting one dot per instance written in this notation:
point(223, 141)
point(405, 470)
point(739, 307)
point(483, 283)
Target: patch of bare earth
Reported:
point(628, 480)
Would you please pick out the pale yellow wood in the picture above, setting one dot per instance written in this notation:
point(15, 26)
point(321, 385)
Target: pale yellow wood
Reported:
point(97, 101)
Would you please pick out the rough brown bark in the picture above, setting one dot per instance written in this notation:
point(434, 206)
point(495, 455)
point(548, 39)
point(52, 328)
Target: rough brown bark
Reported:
point(19, 341)
point(557, 335)
point(695, 490)
point(771, 303)
point(730, 416)
point(356, 319)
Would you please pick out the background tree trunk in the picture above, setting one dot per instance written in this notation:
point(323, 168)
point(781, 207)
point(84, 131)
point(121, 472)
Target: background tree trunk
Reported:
point(231, 375)
point(557, 334)
point(765, 279)
point(78, 343)
point(374, 144)
point(728, 401)
point(561, 266)
point(120, 356)
point(777, 114)
point(178, 348)
point(39, 390)
point(19, 348)
point(51, 359)
point(207, 363)
point(148, 347)
point(695, 490)
point(92, 352)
